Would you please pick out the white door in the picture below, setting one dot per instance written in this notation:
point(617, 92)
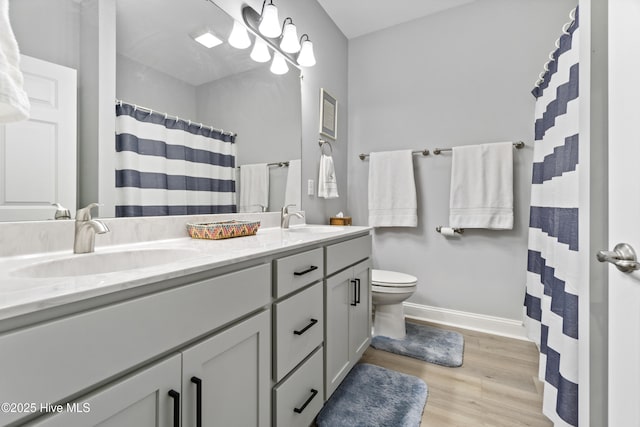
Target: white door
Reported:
point(624, 210)
point(38, 155)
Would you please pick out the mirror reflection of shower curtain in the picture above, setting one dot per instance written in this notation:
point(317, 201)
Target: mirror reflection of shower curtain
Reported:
point(166, 166)
point(553, 274)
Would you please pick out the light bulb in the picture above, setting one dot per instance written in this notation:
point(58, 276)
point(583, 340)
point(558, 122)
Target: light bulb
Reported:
point(290, 43)
point(239, 38)
point(260, 51)
point(269, 24)
point(279, 65)
point(306, 58)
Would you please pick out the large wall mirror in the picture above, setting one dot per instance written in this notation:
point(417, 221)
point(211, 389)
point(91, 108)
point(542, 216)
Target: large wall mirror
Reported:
point(159, 67)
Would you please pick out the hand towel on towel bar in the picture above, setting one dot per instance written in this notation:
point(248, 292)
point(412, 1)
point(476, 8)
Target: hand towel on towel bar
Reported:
point(482, 187)
point(14, 102)
point(327, 182)
point(292, 188)
point(392, 190)
point(254, 187)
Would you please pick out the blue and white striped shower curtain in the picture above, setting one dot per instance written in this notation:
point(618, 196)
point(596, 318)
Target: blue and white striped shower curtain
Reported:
point(551, 299)
point(171, 167)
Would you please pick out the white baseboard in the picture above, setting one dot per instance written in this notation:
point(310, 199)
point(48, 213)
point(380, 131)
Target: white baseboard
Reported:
point(461, 319)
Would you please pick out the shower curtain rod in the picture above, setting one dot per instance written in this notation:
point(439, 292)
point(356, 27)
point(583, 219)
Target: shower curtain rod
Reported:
point(172, 117)
point(436, 151)
point(565, 31)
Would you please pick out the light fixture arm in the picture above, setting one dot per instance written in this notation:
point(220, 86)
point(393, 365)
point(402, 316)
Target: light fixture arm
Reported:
point(303, 36)
point(263, 5)
point(285, 22)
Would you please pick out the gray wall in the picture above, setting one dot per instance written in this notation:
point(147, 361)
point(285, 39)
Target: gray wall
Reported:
point(462, 76)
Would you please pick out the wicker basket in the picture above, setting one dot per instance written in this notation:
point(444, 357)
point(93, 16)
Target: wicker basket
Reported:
point(222, 230)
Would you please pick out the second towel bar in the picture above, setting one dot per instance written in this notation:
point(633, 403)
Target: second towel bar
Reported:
point(437, 151)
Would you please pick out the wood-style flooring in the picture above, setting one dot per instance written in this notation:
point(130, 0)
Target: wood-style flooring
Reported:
point(497, 384)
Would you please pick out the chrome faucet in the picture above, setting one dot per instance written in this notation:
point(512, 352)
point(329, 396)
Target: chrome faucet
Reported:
point(86, 230)
point(285, 216)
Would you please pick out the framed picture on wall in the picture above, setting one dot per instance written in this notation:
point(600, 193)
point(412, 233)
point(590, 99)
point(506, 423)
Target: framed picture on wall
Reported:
point(328, 115)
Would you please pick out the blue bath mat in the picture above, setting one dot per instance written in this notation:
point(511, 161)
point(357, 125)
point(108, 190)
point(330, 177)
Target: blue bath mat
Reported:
point(425, 343)
point(372, 396)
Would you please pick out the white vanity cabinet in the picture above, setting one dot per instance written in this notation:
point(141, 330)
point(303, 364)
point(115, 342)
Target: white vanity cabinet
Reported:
point(221, 381)
point(347, 308)
point(82, 351)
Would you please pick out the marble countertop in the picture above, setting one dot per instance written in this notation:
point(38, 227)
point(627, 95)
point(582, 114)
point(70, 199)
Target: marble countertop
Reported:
point(26, 295)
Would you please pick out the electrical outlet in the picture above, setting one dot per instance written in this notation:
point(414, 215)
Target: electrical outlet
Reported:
point(311, 187)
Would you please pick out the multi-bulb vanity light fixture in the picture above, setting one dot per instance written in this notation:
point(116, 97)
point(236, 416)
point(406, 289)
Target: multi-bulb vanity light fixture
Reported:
point(283, 40)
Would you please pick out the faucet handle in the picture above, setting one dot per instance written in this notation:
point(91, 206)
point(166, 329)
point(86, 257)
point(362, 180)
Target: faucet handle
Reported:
point(84, 214)
point(61, 211)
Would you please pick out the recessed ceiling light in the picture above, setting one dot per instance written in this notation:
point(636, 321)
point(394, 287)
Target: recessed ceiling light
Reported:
point(208, 40)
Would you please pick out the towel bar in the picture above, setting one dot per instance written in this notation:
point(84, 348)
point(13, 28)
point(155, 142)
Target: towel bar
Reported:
point(423, 152)
point(437, 151)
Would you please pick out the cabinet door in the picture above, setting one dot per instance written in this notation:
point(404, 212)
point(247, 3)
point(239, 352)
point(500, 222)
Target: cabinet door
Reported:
point(141, 399)
point(338, 297)
point(229, 374)
point(360, 313)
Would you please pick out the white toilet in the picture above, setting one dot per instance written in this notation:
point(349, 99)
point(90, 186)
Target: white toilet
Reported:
point(388, 290)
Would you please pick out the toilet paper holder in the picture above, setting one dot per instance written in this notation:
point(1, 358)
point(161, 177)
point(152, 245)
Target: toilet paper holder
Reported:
point(455, 230)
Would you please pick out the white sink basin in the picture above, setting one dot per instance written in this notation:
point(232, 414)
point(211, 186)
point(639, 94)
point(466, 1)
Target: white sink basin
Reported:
point(103, 262)
point(315, 229)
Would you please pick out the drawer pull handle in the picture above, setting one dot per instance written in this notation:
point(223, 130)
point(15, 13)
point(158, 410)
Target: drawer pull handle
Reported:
point(355, 292)
point(308, 270)
point(176, 407)
point(198, 382)
point(306, 328)
point(299, 410)
point(358, 286)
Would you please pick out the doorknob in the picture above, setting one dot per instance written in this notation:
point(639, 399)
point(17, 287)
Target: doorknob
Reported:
point(623, 257)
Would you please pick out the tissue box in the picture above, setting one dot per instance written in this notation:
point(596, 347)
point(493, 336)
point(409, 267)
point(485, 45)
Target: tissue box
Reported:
point(345, 220)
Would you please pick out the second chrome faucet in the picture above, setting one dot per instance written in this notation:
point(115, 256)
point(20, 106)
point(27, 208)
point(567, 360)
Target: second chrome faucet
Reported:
point(285, 216)
point(86, 230)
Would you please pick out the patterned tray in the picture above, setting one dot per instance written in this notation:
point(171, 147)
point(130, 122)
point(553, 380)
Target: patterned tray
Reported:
point(222, 230)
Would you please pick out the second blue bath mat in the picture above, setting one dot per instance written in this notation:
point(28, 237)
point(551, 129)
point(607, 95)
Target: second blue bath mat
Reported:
point(426, 343)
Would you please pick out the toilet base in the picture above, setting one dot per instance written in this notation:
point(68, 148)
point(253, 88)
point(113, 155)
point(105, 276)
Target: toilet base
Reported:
point(388, 321)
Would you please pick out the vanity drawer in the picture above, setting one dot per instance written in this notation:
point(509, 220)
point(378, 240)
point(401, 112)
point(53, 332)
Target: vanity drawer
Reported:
point(344, 254)
point(296, 271)
point(299, 399)
point(298, 327)
point(66, 356)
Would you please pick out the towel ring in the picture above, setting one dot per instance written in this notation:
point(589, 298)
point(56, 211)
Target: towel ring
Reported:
point(322, 142)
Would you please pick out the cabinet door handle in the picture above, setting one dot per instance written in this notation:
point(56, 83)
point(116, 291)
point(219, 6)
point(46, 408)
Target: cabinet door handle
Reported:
point(176, 407)
point(198, 382)
point(306, 328)
point(355, 299)
point(305, 404)
point(308, 270)
point(358, 286)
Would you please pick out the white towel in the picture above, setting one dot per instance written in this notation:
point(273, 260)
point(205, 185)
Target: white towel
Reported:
point(14, 102)
point(482, 187)
point(327, 182)
point(292, 189)
point(254, 187)
point(392, 190)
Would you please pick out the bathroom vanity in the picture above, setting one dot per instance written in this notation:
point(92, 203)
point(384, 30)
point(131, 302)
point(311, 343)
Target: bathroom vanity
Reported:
point(254, 331)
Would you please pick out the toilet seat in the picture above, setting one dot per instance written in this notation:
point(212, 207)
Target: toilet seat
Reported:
point(392, 279)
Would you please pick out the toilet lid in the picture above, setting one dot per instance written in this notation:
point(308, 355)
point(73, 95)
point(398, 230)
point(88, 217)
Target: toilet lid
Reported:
point(392, 278)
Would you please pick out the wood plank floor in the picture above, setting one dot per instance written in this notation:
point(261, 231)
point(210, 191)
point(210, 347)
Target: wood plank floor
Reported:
point(496, 385)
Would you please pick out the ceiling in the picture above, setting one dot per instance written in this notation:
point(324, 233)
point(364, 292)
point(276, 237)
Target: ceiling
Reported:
point(359, 17)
